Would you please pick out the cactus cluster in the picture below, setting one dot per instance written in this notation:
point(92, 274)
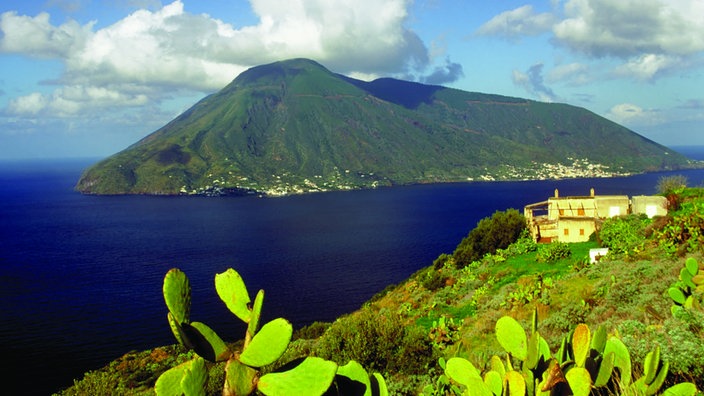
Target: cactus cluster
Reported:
point(444, 332)
point(585, 364)
point(688, 291)
point(262, 346)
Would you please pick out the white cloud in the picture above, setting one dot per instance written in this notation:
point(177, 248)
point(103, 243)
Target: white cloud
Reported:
point(150, 54)
point(650, 37)
point(30, 104)
point(629, 28)
point(36, 36)
point(72, 101)
point(647, 66)
point(573, 73)
point(519, 22)
point(632, 115)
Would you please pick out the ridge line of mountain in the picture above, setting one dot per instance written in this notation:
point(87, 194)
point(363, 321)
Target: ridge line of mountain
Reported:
point(295, 127)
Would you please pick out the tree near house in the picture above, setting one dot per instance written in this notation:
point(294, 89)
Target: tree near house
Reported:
point(491, 233)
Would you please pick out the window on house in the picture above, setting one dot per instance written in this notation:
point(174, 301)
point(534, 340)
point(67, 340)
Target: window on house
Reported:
point(581, 231)
point(567, 231)
point(562, 212)
point(580, 212)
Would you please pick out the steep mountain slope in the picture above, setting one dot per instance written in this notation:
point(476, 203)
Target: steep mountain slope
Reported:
point(294, 126)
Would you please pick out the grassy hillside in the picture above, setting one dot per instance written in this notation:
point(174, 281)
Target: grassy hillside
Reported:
point(294, 126)
point(450, 308)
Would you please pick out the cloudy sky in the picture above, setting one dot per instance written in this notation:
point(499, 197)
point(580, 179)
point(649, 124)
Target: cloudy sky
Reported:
point(87, 78)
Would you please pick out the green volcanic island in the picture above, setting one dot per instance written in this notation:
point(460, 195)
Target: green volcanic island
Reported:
point(295, 127)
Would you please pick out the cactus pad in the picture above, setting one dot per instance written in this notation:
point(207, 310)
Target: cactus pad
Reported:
point(177, 295)
point(676, 295)
point(599, 339)
point(497, 365)
point(183, 379)
point(239, 379)
point(579, 380)
point(692, 266)
point(622, 359)
point(268, 344)
point(683, 389)
point(606, 368)
point(195, 378)
point(515, 383)
point(206, 343)
point(312, 377)
point(651, 365)
point(461, 371)
point(253, 325)
point(581, 343)
point(356, 373)
point(654, 386)
point(494, 381)
point(233, 293)
point(378, 385)
point(533, 355)
point(512, 337)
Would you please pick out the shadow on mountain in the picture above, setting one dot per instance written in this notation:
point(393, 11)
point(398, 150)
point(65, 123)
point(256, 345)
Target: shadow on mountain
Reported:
point(404, 93)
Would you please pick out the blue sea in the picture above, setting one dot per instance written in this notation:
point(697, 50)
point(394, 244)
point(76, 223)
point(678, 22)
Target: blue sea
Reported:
point(81, 276)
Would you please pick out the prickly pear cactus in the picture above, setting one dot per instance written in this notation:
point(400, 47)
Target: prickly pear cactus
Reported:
point(312, 377)
point(589, 363)
point(189, 378)
point(262, 347)
point(512, 337)
point(688, 292)
point(233, 292)
point(268, 344)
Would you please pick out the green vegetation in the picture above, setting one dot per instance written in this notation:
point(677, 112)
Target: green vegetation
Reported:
point(624, 235)
point(688, 292)
point(262, 347)
point(490, 234)
point(604, 329)
point(583, 365)
point(294, 127)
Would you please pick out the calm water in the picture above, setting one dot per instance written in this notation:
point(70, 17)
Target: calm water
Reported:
point(80, 276)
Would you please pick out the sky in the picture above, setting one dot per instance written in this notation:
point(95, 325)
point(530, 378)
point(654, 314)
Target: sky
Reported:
point(84, 78)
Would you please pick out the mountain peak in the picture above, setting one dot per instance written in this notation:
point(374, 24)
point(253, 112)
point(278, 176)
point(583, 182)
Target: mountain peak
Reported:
point(294, 126)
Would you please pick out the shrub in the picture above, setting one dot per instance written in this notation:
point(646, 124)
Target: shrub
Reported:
point(552, 252)
point(671, 184)
point(312, 331)
point(441, 261)
point(624, 235)
point(497, 232)
point(432, 279)
point(379, 342)
point(524, 244)
point(685, 230)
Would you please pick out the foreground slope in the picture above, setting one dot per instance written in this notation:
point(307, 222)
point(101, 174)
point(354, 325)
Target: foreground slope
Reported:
point(294, 126)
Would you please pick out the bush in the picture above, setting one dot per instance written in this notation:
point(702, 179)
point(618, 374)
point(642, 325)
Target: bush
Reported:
point(524, 244)
point(497, 232)
point(671, 184)
point(378, 342)
point(624, 235)
point(432, 279)
point(552, 252)
point(440, 262)
point(312, 331)
point(685, 230)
